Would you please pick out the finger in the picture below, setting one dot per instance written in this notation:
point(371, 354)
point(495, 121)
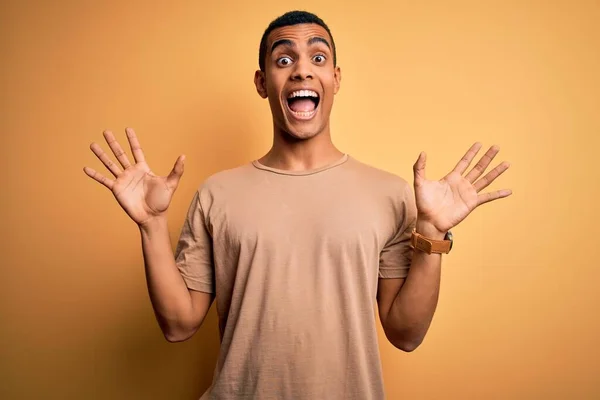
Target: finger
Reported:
point(116, 149)
point(176, 172)
point(134, 143)
point(419, 168)
point(483, 163)
point(112, 167)
point(98, 177)
point(490, 176)
point(491, 196)
point(464, 162)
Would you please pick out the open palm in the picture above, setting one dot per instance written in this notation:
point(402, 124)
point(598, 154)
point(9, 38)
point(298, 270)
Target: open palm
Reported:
point(445, 203)
point(142, 194)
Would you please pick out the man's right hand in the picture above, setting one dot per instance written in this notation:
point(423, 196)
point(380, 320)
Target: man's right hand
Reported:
point(143, 195)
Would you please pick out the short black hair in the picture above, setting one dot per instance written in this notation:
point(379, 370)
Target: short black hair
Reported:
point(288, 19)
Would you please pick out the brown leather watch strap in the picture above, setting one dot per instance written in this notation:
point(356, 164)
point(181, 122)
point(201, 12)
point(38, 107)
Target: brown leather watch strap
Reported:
point(429, 246)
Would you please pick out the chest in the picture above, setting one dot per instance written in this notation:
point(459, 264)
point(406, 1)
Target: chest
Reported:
point(313, 219)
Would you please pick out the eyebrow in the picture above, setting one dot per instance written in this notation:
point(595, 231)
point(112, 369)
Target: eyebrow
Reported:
point(287, 42)
point(319, 39)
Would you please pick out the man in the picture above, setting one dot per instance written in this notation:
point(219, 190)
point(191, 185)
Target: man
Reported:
point(299, 246)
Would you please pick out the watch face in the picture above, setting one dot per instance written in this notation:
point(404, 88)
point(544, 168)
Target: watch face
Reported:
point(449, 237)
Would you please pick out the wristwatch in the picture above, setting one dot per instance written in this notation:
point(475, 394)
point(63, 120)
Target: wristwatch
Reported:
point(429, 246)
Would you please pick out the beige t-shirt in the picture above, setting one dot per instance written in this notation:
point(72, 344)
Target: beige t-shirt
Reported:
point(294, 259)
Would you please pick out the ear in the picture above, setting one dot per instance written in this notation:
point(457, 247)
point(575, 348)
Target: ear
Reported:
point(261, 84)
point(337, 79)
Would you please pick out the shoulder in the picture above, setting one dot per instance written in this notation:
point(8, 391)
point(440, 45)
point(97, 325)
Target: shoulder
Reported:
point(225, 183)
point(226, 178)
point(392, 191)
point(379, 179)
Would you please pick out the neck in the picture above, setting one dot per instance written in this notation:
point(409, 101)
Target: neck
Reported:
point(288, 153)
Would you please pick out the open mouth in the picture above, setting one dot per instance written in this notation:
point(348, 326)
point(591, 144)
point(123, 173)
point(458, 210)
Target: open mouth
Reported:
point(303, 103)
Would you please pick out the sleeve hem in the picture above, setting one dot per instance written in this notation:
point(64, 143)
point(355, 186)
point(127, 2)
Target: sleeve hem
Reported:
point(393, 273)
point(199, 286)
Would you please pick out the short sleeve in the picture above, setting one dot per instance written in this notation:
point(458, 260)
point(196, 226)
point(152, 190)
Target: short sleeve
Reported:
point(396, 256)
point(193, 254)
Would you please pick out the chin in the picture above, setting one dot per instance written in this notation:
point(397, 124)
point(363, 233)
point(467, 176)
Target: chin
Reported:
point(301, 134)
point(305, 130)
point(300, 129)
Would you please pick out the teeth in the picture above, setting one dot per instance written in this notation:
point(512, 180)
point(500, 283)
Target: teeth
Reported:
point(303, 93)
point(304, 113)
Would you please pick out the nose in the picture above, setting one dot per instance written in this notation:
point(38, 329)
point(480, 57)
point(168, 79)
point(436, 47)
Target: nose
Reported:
point(302, 70)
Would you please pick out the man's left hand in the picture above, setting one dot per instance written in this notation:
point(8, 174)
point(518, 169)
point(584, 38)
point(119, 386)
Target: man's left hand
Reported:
point(443, 204)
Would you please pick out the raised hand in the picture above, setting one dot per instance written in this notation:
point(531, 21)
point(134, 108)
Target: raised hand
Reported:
point(445, 203)
point(142, 194)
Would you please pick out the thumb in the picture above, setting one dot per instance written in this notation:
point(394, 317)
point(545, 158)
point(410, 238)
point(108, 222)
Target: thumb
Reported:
point(419, 168)
point(176, 172)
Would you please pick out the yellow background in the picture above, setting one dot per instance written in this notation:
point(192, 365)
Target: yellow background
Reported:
point(518, 313)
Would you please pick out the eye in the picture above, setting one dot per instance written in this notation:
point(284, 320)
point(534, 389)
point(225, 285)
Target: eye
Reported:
point(319, 59)
point(284, 61)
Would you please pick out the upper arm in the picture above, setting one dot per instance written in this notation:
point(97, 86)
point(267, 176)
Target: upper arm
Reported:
point(201, 303)
point(387, 291)
point(194, 260)
point(194, 252)
point(396, 256)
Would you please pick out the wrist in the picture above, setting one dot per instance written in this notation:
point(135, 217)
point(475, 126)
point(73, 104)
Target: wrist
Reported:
point(153, 223)
point(429, 230)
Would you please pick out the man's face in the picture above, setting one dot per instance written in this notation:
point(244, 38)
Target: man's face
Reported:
point(300, 79)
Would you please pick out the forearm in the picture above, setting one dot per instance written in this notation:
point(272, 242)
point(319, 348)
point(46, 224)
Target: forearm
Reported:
point(413, 308)
point(171, 300)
